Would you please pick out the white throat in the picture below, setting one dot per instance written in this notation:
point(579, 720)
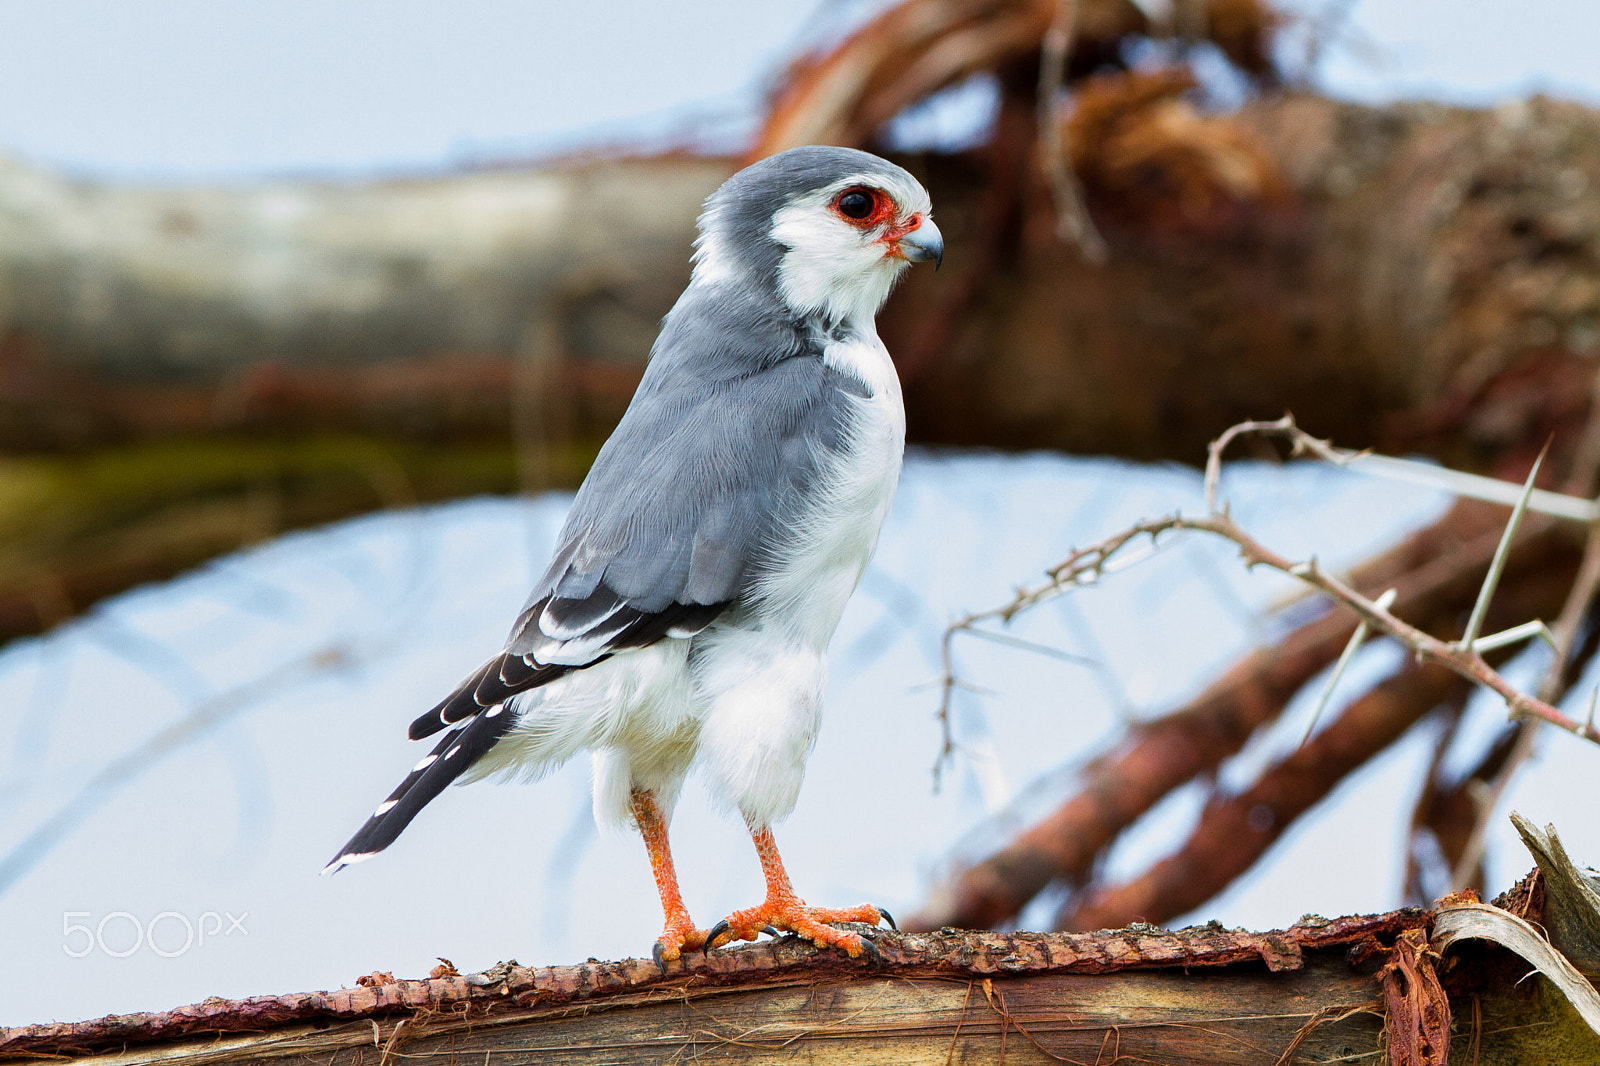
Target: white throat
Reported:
point(827, 272)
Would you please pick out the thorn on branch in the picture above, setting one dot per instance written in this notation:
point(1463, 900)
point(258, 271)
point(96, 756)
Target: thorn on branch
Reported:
point(1358, 638)
point(1515, 635)
point(1497, 567)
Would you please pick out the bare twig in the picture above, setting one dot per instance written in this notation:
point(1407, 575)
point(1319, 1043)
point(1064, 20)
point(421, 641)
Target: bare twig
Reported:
point(1456, 482)
point(1433, 573)
point(1465, 661)
point(1080, 568)
point(1072, 217)
point(1085, 566)
point(1300, 442)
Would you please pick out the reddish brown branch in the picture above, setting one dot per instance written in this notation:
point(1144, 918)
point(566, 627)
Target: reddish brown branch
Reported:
point(1125, 783)
point(1234, 832)
point(1159, 756)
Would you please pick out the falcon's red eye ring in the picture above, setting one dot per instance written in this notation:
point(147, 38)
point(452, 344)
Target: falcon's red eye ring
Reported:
point(861, 206)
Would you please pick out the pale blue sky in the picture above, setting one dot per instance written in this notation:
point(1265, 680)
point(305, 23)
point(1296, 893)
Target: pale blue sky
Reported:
point(221, 88)
point(1466, 51)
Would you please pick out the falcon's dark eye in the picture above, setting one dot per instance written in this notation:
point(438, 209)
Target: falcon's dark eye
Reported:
point(857, 204)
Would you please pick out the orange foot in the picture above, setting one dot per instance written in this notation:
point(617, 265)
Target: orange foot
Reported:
point(785, 912)
point(679, 936)
point(789, 914)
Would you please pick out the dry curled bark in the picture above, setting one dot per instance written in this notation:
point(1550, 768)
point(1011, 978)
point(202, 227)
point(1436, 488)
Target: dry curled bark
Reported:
point(1418, 1010)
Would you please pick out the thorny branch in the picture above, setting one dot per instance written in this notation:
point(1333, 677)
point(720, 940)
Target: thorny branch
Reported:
point(1584, 480)
point(1086, 566)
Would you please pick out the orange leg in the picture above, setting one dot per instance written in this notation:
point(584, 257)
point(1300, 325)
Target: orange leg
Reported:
point(680, 932)
point(787, 912)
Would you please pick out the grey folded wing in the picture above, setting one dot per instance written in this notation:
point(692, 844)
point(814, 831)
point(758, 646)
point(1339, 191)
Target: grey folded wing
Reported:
point(689, 501)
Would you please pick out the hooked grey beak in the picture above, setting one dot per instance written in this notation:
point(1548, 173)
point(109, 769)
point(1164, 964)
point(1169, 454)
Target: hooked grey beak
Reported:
point(924, 243)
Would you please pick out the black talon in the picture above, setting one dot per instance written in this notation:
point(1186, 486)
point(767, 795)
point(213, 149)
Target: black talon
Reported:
point(884, 915)
point(712, 934)
point(870, 950)
point(658, 954)
point(772, 931)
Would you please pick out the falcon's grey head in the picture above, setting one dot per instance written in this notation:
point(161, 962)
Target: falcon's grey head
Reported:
point(826, 230)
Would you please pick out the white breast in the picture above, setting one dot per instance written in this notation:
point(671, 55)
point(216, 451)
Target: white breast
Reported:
point(762, 685)
point(836, 536)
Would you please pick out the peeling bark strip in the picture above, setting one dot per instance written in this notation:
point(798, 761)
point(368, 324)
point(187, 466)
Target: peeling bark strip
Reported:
point(1417, 1011)
point(783, 963)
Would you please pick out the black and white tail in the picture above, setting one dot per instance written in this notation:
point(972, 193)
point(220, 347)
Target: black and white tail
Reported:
point(459, 749)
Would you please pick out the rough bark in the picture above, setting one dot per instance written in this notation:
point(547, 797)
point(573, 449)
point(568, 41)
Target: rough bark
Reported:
point(1321, 991)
